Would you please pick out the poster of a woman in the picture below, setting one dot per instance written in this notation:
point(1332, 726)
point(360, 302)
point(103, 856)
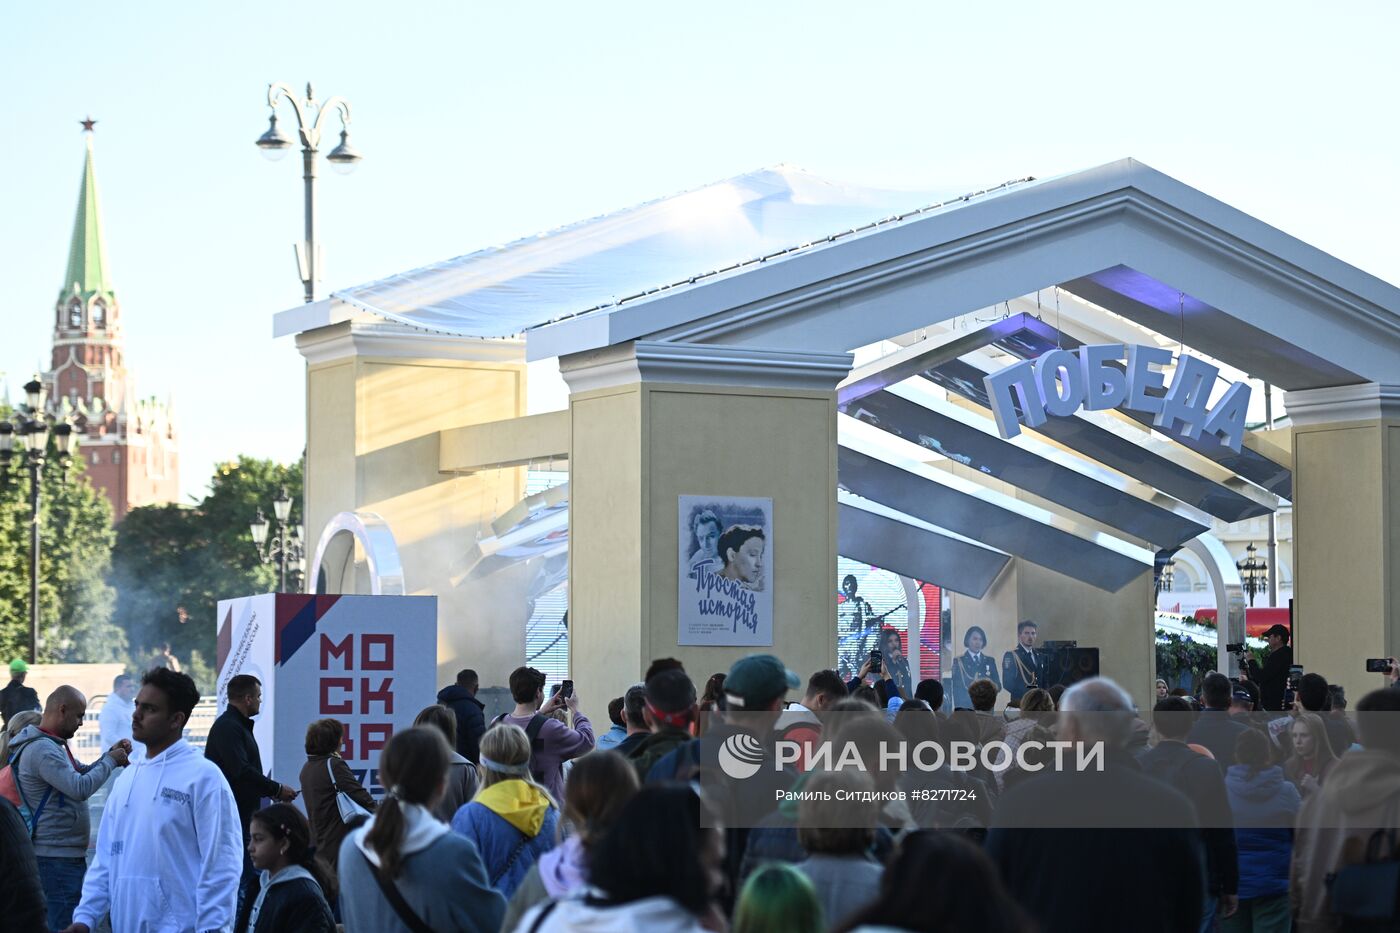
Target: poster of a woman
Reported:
point(725, 571)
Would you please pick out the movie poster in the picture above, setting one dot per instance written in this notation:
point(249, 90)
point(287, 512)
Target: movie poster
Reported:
point(725, 596)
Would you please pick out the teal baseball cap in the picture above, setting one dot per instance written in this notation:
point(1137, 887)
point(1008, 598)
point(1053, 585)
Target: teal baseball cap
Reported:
point(757, 680)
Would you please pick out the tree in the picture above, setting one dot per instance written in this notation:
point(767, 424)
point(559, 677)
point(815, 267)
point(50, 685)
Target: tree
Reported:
point(75, 602)
point(172, 564)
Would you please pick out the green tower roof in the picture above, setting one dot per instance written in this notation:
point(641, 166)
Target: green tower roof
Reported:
point(87, 255)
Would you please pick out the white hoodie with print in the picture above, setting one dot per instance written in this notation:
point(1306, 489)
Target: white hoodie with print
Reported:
point(169, 850)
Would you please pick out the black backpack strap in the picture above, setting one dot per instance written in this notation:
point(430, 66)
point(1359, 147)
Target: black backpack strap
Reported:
point(395, 899)
point(532, 732)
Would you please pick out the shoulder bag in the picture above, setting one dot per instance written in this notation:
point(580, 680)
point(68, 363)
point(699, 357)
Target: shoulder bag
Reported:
point(349, 809)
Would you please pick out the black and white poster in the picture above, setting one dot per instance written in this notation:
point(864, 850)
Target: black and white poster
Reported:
point(725, 595)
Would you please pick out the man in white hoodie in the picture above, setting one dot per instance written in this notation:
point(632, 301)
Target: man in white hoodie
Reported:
point(168, 850)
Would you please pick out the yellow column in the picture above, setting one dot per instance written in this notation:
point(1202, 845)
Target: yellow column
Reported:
point(377, 396)
point(1346, 531)
point(652, 422)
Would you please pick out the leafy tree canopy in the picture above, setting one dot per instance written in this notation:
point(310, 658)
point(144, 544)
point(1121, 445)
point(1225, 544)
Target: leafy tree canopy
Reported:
point(75, 528)
point(172, 563)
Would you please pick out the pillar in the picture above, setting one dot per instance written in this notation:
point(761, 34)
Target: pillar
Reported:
point(651, 422)
point(377, 396)
point(1346, 531)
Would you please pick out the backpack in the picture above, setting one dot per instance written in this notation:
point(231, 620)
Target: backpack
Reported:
point(10, 789)
point(532, 732)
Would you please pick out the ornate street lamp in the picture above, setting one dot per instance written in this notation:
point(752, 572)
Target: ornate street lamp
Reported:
point(1166, 577)
point(287, 548)
point(31, 425)
point(1254, 572)
point(310, 115)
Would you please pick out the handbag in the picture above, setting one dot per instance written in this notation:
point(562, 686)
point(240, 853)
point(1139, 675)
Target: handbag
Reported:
point(1367, 895)
point(349, 809)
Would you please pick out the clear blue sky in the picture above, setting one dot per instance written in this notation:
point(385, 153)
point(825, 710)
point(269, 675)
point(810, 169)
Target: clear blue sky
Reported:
point(480, 124)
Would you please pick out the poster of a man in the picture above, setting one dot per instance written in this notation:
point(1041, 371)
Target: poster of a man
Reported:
point(725, 569)
point(704, 530)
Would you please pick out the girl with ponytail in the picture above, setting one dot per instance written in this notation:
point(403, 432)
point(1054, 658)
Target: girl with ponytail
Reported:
point(403, 870)
point(291, 890)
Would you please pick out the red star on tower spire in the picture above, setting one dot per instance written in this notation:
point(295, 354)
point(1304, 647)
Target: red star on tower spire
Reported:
point(88, 124)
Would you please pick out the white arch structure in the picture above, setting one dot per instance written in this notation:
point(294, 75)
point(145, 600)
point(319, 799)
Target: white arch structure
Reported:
point(1229, 593)
point(335, 555)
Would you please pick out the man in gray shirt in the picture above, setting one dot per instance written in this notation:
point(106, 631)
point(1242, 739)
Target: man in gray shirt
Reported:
point(54, 789)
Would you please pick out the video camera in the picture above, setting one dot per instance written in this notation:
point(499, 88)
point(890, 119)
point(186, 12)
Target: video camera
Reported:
point(1290, 689)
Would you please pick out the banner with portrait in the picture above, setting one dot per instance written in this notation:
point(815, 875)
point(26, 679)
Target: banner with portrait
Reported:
point(725, 593)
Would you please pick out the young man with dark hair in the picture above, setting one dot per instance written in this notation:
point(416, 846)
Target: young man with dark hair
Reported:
point(55, 790)
point(634, 703)
point(802, 722)
point(1215, 728)
point(618, 731)
point(668, 708)
point(1199, 780)
point(460, 697)
point(1314, 695)
point(168, 848)
point(1024, 668)
point(551, 742)
point(931, 692)
point(233, 749)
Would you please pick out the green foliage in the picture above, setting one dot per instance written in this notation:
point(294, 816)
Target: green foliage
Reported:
point(75, 602)
point(172, 564)
point(1177, 655)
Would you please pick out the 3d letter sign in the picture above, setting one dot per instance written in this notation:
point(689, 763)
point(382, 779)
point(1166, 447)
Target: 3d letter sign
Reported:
point(1060, 382)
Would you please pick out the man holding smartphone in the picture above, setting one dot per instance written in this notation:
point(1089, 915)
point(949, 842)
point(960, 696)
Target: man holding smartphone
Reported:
point(551, 742)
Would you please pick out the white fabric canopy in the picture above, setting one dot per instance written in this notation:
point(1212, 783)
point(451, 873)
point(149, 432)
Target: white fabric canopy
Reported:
point(505, 290)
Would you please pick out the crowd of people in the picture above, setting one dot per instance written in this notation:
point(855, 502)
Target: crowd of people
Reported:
point(1203, 815)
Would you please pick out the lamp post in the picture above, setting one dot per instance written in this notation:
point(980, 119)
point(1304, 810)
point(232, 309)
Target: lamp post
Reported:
point(311, 115)
point(1166, 577)
point(31, 425)
point(287, 547)
point(1254, 573)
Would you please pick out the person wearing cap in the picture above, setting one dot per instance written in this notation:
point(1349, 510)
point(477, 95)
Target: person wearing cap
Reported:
point(756, 689)
point(15, 697)
point(669, 710)
point(1272, 676)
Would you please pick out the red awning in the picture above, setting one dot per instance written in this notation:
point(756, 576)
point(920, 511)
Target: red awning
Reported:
point(1256, 621)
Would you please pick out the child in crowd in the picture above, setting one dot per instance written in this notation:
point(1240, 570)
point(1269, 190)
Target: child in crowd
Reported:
point(290, 895)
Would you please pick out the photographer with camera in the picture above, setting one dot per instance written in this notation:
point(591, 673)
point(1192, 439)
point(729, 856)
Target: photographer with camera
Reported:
point(1272, 675)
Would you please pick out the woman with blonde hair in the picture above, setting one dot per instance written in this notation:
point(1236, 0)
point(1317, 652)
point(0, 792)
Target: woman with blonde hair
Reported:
point(512, 819)
point(18, 723)
point(1312, 756)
